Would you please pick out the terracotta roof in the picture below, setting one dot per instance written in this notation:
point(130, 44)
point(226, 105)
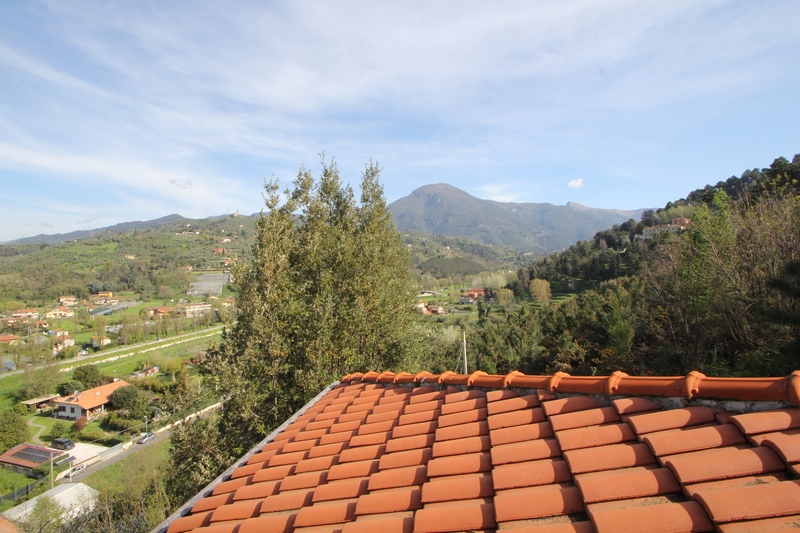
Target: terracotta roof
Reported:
point(91, 398)
point(427, 453)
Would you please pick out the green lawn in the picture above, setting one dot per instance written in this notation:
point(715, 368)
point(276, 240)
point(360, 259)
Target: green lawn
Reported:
point(114, 478)
point(10, 480)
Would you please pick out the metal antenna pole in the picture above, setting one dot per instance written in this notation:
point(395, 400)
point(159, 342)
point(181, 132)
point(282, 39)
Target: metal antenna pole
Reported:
point(465, 352)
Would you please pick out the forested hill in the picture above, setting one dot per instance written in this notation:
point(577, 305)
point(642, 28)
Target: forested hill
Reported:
point(446, 210)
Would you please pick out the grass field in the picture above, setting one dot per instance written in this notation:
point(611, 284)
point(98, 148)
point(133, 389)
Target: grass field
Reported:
point(115, 478)
point(10, 480)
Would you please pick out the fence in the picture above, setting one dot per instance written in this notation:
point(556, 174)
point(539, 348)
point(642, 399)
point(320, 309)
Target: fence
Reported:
point(111, 450)
point(22, 491)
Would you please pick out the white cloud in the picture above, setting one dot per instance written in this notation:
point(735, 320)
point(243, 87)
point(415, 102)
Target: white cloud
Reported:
point(576, 183)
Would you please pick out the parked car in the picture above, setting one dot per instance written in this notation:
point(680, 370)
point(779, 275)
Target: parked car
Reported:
point(80, 469)
point(147, 437)
point(63, 444)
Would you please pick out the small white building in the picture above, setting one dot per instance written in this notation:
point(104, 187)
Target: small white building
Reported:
point(74, 498)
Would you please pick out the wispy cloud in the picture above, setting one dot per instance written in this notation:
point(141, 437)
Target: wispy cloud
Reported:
point(576, 183)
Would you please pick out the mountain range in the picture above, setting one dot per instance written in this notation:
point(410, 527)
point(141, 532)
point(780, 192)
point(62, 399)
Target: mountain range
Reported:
point(443, 209)
point(531, 227)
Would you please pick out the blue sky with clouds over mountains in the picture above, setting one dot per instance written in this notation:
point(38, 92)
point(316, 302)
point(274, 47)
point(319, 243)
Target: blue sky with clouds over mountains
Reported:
point(116, 111)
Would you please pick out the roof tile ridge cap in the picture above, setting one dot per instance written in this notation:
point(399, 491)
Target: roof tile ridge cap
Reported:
point(612, 383)
point(446, 374)
point(554, 379)
point(402, 376)
point(793, 388)
point(370, 376)
point(386, 376)
point(472, 377)
point(508, 378)
point(420, 377)
point(691, 384)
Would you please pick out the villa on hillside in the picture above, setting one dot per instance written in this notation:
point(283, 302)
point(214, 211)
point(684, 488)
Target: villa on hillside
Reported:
point(90, 403)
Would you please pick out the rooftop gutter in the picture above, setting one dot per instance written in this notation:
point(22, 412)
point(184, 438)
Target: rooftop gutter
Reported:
point(208, 489)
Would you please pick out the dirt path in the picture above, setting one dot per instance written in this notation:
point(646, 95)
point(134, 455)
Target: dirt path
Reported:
point(42, 429)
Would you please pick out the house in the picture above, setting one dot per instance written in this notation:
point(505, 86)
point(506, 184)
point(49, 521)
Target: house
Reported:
point(24, 458)
point(90, 403)
point(60, 312)
point(67, 301)
point(220, 250)
point(228, 302)
point(145, 372)
point(193, 310)
point(25, 315)
point(130, 257)
point(677, 225)
point(9, 339)
point(480, 452)
point(61, 343)
point(474, 293)
point(436, 310)
point(74, 499)
point(159, 312)
point(99, 342)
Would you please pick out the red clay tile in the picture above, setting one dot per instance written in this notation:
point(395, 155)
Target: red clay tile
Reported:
point(362, 453)
point(248, 470)
point(462, 431)
point(286, 435)
point(318, 463)
point(572, 439)
point(370, 439)
point(531, 474)
point(361, 407)
point(299, 446)
point(550, 525)
point(328, 415)
point(539, 430)
point(466, 516)
point(516, 418)
point(319, 424)
point(288, 458)
point(410, 443)
point(350, 470)
point(406, 458)
point(762, 526)
point(262, 457)
point(520, 452)
point(385, 523)
point(237, 511)
point(188, 523)
point(461, 446)
point(359, 416)
point(626, 484)
point(580, 419)
point(537, 502)
point(327, 449)
point(421, 416)
point(424, 406)
point(691, 490)
point(304, 481)
point(501, 394)
point(390, 407)
point(751, 502)
point(663, 518)
point(399, 477)
point(414, 429)
point(514, 403)
point(390, 501)
point(462, 396)
point(273, 473)
point(460, 464)
point(722, 463)
point(462, 417)
point(287, 501)
point(212, 502)
point(688, 440)
point(382, 417)
point(451, 488)
point(339, 436)
point(233, 484)
point(672, 419)
point(608, 457)
point(341, 489)
point(324, 513)
point(274, 445)
point(786, 444)
point(350, 425)
point(257, 490)
point(569, 405)
point(466, 405)
point(426, 396)
point(631, 406)
point(270, 523)
point(377, 427)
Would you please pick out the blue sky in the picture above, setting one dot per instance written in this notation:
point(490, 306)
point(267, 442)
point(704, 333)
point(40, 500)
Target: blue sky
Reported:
point(118, 111)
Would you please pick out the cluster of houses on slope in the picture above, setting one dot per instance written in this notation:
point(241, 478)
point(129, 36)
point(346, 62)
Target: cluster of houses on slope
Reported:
point(468, 297)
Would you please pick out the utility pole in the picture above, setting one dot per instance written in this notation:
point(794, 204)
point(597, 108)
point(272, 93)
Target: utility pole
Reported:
point(145, 424)
point(464, 343)
point(51, 470)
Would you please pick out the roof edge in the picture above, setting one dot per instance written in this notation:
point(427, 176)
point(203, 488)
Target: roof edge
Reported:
point(208, 489)
point(691, 386)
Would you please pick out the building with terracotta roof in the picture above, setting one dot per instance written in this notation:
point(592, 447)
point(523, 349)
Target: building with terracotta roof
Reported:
point(90, 402)
point(23, 458)
point(439, 453)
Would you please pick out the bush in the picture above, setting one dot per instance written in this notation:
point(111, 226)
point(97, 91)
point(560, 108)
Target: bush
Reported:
point(80, 424)
point(91, 434)
point(20, 409)
point(58, 430)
